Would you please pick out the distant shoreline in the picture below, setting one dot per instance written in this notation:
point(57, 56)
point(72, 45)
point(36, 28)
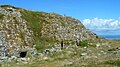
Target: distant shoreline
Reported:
point(111, 37)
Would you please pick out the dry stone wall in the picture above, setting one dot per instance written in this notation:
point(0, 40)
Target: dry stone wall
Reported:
point(15, 35)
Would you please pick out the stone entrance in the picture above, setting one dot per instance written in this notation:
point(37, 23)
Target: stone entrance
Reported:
point(23, 54)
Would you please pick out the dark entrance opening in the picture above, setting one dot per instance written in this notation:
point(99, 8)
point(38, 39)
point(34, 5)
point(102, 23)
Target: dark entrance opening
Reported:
point(23, 54)
point(62, 44)
point(78, 43)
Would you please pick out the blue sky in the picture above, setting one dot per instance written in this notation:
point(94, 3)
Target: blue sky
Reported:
point(107, 12)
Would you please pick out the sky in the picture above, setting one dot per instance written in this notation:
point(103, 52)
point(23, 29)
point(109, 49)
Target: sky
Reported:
point(100, 16)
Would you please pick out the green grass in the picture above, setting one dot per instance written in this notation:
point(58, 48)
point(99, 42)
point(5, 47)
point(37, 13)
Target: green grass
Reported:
point(59, 55)
point(1, 16)
point(35, 21)
point(63, 23)
point(0, 65)
point(84, 43)
point(43, 43)
point(8, 6)
point(97, 36)
point(113, 62)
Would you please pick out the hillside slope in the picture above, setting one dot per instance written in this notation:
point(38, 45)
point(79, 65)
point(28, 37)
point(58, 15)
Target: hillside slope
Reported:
point(15, 35)
point(59, 40)
point(26, 27)
point(52, 28)
point(21, 30)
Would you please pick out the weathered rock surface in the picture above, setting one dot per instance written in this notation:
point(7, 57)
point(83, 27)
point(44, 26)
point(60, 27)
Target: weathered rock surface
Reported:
point(65, 28)
point(19, 34)
point(15, 35)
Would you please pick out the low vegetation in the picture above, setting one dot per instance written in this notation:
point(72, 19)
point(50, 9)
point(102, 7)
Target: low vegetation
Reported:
point(113, 62)
point(84, 43)
point(1, 16)
point(94, 52)
point(35, 21)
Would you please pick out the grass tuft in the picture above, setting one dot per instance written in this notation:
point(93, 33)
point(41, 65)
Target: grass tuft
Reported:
point(113, 62)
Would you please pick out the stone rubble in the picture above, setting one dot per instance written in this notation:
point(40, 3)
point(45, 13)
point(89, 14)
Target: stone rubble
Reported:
point(15, 35)
point(66, 30)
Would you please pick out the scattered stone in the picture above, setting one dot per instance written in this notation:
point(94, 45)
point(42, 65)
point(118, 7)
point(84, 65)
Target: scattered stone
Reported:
point(83, 54)
point(45, 58)
point(97, 45)
point(14, 34)
point(67, 63)
point(23, 59)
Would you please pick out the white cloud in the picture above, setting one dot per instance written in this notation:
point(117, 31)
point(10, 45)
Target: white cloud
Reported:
point(102, 24)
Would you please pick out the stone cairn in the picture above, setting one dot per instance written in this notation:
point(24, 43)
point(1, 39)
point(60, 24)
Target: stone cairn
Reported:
point(15, 37)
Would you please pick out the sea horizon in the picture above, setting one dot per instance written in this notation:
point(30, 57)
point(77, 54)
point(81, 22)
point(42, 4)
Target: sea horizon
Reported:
point(111, 37)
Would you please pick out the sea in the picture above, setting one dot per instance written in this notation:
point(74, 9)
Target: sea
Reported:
point(111, 37)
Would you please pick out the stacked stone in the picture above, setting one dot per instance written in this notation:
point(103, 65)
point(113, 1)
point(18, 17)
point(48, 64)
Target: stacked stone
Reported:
point(65, 28)
point(3, 45)
point(15, 36)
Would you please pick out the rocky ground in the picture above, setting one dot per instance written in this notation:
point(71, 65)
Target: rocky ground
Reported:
point(39, 39)
point(15, 37)
point(103, 55)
